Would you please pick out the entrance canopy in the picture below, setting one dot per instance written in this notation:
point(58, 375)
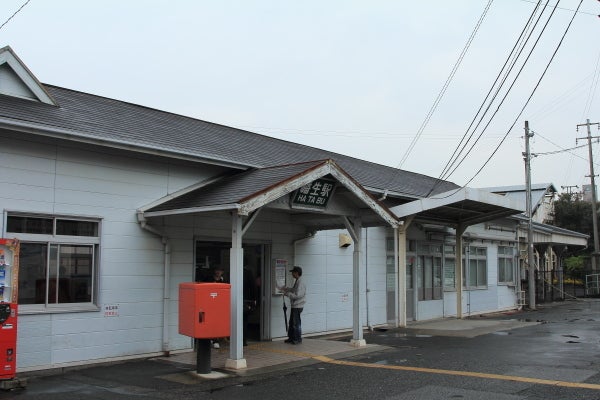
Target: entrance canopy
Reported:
point(336, 194)
point(464, 206)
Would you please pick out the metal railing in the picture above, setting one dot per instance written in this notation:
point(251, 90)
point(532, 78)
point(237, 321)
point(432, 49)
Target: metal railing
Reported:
point(592, 284)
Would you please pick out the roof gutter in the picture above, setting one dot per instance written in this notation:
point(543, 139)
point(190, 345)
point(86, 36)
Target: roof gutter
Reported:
point(28, 127)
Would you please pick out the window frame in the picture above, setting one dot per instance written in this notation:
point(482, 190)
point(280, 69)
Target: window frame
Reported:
point(429, 269)
point(51, 240)
point(480, 262)
point(512, 258)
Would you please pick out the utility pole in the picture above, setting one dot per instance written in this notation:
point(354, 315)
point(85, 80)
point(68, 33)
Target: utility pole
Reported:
point(530, 263)
point(594, 198)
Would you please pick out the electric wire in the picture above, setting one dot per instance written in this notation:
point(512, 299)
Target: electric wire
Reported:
point(15, 13)
point(522, 109)
point(574, 92)
point(564, 9)
point(561, 149)
point(454, 164)
point(511, 61)
point(531, 95)
point(593, 88)
point(444, 87)
point(546, 153)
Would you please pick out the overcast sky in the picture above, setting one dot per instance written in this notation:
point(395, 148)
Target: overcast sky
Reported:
point(353, 77)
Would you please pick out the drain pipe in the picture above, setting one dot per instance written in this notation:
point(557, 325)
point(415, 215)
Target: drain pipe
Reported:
point(167, 277)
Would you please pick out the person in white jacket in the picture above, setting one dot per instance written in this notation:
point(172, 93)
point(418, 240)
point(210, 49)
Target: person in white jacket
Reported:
point(297, 295)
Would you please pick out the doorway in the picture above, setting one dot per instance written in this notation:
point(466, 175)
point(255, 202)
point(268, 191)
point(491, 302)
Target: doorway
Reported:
point(212, 255)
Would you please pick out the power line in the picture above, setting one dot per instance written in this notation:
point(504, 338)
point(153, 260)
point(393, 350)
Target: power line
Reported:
point(566, 9)
point(593, 87)
point(15, 13)
point(455, 163)
point(562, 150)
point(445, 87)
point(511, 62)
point(531, 95)
point(558, 151)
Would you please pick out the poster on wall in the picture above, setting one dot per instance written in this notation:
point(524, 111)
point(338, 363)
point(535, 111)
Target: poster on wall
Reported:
point(279, 274)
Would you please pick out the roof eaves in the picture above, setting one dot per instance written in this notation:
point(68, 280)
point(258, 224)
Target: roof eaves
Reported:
point(218, 207)
point(49, 131)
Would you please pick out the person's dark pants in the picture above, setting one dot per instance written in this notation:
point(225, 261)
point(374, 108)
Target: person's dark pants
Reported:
point(295, 329)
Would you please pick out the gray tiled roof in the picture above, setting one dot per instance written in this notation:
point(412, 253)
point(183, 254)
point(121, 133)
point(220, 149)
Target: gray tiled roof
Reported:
point(144, 128)
point(236, 188)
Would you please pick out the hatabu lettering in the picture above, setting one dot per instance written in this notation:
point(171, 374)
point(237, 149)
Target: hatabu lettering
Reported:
point(315, 194)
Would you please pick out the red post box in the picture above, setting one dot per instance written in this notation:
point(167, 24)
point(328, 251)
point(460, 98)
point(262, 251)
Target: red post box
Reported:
point(204, 310)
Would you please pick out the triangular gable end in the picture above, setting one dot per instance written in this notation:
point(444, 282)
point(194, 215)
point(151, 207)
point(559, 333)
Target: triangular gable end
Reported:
point(16, 79)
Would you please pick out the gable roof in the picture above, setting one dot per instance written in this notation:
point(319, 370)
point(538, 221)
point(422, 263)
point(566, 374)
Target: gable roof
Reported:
point(249, 190)
point(99, 120)
point(465, 206)
point(76, 116)
point(17, 80)
point(519, 193)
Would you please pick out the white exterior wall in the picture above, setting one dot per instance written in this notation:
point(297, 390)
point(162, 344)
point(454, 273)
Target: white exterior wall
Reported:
point(75, 180)
point(80, 181)
point(327, 270)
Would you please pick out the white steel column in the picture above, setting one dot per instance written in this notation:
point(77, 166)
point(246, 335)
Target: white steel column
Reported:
point(401, 243)
point(354, 228)
point(357, 328)
point(236, 358)
point(458, 270)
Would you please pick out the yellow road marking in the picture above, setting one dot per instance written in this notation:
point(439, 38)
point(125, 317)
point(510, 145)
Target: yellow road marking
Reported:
point(512, 378)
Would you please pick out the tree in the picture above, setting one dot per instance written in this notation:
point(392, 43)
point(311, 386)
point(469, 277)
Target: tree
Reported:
point(574, 214)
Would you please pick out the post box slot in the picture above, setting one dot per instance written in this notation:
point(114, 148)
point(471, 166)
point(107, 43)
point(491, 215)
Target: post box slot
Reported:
point(201, 317)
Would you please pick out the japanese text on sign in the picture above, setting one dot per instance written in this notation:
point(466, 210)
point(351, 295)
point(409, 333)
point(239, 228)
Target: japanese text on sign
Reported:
point(314, 194)
point(111, 310)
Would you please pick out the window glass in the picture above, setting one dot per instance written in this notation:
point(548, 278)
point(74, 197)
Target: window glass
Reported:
point(32, 273)
point(410, 260)
point(476, 273)
point(76, 228)
point(506, 264)
point(389, 244)
point(449, 272)
point(74, 279)
point(36, 225)
point(53, 270)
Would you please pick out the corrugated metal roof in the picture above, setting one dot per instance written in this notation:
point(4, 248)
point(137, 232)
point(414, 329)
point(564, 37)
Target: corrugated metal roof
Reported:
point(519, 193)
point(112, 121)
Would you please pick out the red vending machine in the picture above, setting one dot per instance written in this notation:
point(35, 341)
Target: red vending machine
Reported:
point(9, 285)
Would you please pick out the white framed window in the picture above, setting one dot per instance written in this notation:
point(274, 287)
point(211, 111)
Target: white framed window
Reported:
point(475, 270)
point(449, 267)
point(58, 261)
point(429, 271)
point(506, 265)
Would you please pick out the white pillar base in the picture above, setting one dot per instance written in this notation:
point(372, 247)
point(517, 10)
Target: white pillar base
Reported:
point(236, 364)
point(358, 343)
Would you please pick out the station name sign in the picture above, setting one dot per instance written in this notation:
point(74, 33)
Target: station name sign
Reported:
point(313, 195)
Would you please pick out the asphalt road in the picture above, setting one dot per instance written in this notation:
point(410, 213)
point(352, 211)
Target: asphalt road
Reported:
point(555, 359)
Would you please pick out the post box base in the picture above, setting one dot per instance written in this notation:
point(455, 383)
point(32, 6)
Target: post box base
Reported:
point(15, 383)
point(203, 356)
point(236, 364)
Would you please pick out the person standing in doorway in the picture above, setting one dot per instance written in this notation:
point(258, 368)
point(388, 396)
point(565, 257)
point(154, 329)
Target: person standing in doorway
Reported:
point(297, 295)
